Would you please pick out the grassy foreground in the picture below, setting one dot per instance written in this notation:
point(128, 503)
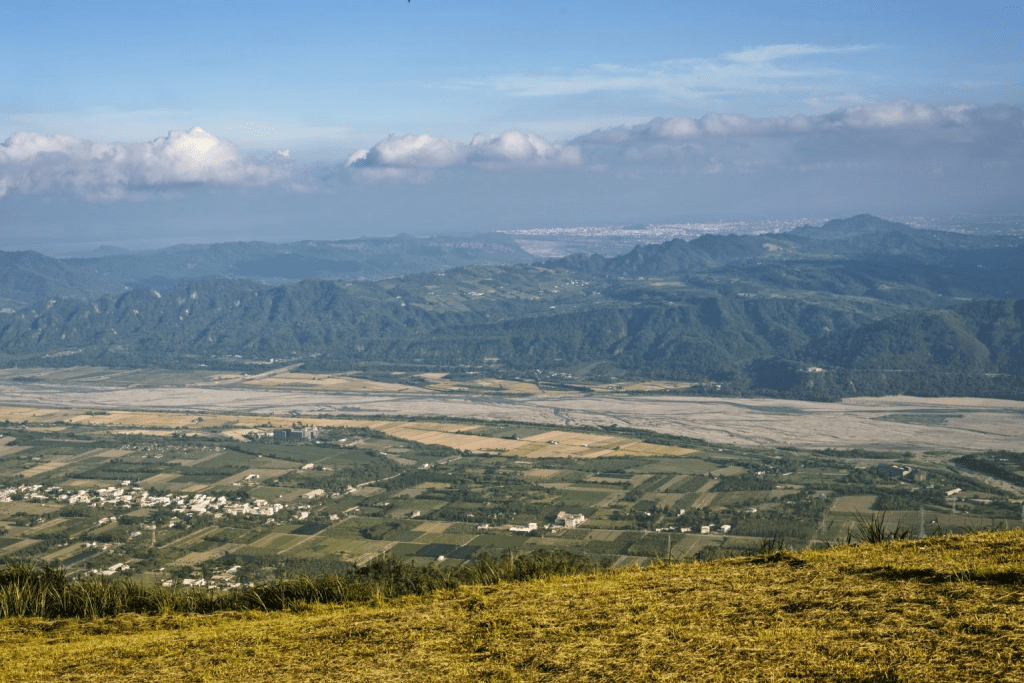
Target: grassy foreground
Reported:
point(941, 609)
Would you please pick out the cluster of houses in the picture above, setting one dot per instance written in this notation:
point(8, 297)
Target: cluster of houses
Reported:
point(564, 520)
point(127, 496)
point(225, 579)
point(25, 491)
point(112, 569)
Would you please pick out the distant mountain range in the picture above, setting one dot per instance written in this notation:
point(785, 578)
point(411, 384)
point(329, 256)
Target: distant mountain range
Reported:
point(857, 306)
point(28, 277)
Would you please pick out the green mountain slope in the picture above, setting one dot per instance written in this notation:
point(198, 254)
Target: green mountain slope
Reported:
point(937, 609)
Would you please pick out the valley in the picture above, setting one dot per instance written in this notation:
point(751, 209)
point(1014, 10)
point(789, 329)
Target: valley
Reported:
point(217, 478)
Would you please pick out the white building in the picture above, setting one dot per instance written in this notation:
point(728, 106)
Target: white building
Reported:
point(569, 520)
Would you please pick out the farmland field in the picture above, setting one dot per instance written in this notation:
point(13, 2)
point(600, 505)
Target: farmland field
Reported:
point(190, 481)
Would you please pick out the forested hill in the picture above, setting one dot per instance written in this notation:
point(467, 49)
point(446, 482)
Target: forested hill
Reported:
point(943, 320)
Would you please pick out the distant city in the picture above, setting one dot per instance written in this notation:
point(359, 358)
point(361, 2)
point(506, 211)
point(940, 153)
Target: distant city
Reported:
point(609, 240)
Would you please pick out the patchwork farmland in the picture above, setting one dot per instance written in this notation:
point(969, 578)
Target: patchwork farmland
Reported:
point(189, 496)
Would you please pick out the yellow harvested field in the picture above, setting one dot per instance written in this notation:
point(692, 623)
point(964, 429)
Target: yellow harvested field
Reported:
point(526, 449)
point(432, 527)
point(19, 414)
point(599, 452)
point(572, 438)
point(428, 434)
point(11, 450)
point(131, 418)
point(476, 443)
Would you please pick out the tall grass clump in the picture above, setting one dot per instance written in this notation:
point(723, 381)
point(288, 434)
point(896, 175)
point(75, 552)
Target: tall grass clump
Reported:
point(874, 530)
point(44, 591)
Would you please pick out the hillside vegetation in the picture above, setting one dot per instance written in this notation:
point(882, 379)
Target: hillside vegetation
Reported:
point(942, 608)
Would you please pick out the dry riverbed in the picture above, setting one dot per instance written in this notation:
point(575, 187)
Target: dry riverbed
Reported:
point(903, 423)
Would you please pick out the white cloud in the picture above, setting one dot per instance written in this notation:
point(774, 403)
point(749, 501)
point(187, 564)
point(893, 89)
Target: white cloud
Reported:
point(30, 162)
point(752, 70)
point(771, 53)
point(424, 152)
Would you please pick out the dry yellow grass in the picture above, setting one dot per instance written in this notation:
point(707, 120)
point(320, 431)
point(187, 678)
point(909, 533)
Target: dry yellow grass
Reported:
point(944, 609)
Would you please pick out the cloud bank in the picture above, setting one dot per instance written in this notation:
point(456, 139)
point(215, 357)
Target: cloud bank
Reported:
point(30, 162)
point(949, 151)
point(890, 134)
point(905, 134)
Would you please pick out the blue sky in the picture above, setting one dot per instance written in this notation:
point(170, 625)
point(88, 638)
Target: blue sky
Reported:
point(334, 119)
